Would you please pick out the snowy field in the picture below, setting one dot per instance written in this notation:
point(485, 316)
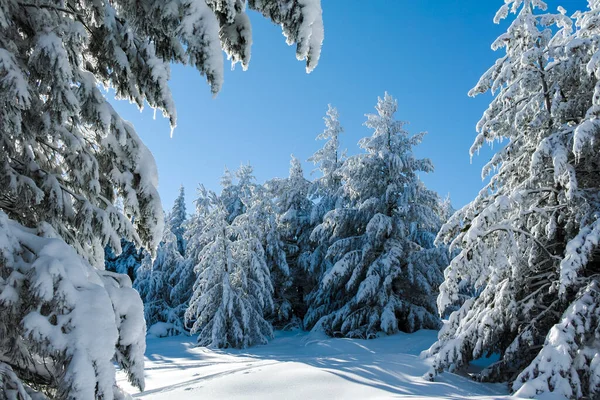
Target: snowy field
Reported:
point(298, 365)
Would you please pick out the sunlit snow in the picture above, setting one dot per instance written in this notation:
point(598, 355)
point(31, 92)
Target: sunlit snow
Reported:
point(301, 365)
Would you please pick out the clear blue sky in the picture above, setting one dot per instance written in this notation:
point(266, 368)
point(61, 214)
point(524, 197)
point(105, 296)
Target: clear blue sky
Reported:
point(426, 53)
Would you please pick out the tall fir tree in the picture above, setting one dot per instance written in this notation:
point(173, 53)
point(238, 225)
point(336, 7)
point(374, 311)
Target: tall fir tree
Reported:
point(233, 289)
point(384, 268)
point(293, 209)
point(165, 282)
point(261, 217)
point(176, 220)
point(183, 276)
point(329, 160)
point(154, 285)
point(529, 241)
point(235, 195)
point(325, 193)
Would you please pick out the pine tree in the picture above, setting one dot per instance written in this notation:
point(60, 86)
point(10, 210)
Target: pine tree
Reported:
point(261, 219)
point(184, 277)
point(384, 266)
point(67, 156)
point(329, 159)
point(75, 319)
point(176, 220)
point(528, 241)
point(155, 284)
point(234, 195)
point(233, 289)
point(325, 193)
point(292, 209)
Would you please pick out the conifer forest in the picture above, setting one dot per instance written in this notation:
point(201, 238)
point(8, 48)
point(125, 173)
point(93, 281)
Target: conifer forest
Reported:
point(349, 277)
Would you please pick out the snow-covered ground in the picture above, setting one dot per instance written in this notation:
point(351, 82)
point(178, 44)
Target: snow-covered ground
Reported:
point(299, 365)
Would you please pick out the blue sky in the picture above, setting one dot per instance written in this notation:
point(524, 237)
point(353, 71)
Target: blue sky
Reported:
point(426, 53)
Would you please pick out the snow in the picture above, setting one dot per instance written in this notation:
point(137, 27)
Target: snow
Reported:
point(95, 316)
point(302, 365)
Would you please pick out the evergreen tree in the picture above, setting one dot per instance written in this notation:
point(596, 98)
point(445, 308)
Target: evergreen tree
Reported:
point(233, 289)
point(385, 269)
point(176, 220)
point(293, 209)
point(155, 285)
point(66, 156)
point(261, 218)
point(184, 276)
point(59, 310)
point(235, 195)
point(528, 241)
point(329, 159)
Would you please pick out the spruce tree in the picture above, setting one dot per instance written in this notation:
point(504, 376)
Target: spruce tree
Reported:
point(176, 220)
point(325, 193)
point(155, 285)
point(233, 290)
point(329, 159)
point(183, 276)
point(528, 241)
point(261, 217)
point(235, 195)
point(292, 209)
point(384, 268)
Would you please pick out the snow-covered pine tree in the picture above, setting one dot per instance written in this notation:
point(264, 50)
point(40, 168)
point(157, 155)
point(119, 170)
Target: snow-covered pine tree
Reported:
point(385, 269)
point(66, 155)
point(246, 184)
point(163, 282)
point(230, 196)
point(529, 241)
point(261, 218)
point(292, 209)
point(154, 285)
point(329, 159)
point(234, 195)
point(184, 277)
point(176, 220)
point(63, 322)
point(325, 193)
point(233, 288)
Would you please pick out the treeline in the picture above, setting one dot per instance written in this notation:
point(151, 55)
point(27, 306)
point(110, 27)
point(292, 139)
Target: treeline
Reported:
point(351, 252)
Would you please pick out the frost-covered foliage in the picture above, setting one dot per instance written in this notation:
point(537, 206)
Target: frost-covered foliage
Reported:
point(292, 202)
point(235, 195)
point(233, 290)
point(325, 193)
point(176, 220)
point(292, 209)
point(302, 23)
point(329, 159)
point(62, 321)
point(384, 268)
point(127, 262)
point(529, 241)
point(183, 276)
point(569, 363)
point(155, 280)
point(261, 218)
point(165, 282)
point(66, 156)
